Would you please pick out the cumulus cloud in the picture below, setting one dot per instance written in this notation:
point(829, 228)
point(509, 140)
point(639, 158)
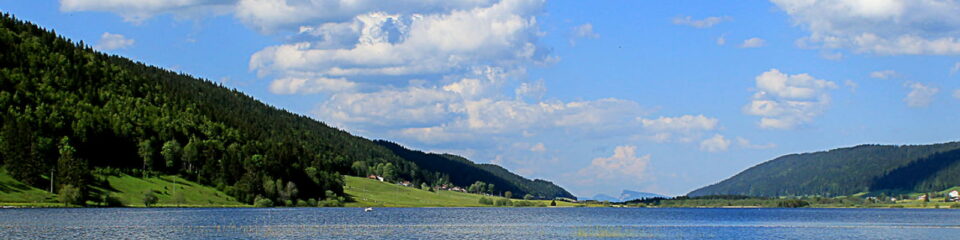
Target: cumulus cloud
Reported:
point(111, 41)
point(504, 34)
point(885, 74)
point(886, 27)
point(920, 95)
point(717, 143)
point(682, 123)
point(784, 101)
point(701, 23)
point(686, 128)
point(535, 90)
point(623, 164)
point(753, 43)
point(295, 85)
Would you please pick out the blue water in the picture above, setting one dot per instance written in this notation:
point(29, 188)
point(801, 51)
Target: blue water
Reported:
point(478, 223)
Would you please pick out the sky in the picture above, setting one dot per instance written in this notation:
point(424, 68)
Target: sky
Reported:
point(595, 96)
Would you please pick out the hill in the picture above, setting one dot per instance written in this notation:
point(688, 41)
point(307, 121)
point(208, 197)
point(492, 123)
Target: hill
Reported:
point(68, 110)
point(847, 171)
point(463, 172)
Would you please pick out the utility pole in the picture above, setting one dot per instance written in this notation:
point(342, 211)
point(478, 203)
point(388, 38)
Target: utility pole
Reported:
point(51, 180)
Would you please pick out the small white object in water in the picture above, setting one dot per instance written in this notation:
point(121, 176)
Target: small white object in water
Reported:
point(369, 209)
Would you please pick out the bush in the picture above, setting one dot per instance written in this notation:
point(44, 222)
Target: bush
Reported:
point(524, 204)
point(110, 201)
point(503, 202)
point(896, 206)
point(792, 203)
point(262, 202)
point(330, 203)
point(955, 205)
point(149, 199)
point(288, 203)
point(486, 201)
point(553, 203)
point(312, 202)
point(70, 195)
point(528, 197)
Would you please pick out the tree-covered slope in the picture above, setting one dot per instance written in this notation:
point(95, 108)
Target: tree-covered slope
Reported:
point(847, 171)
point(463, 172)
point(68, 109)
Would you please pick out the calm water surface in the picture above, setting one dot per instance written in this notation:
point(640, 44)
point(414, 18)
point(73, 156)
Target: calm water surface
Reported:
point(478, 223)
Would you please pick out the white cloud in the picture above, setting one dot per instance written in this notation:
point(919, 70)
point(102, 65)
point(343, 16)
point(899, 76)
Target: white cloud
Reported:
point(702, 23)
point(885, 74)
point(955, 69)
point(920, 95)
point(887, 27)
point(585, 31)
point(682, 123)
point(686, 128)
point(753, 43)
point(717, 143)
point(623, 164)
point(503, 35)
point(294, 85)
point(111, 41)
point(140, 10)
point(539, 147)
point(722, 40)
point(785, 101)
point(744, 143)
point(535, 90)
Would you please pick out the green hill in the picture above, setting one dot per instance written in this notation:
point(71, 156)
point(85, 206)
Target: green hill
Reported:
point(847, 171)
point(68, 109)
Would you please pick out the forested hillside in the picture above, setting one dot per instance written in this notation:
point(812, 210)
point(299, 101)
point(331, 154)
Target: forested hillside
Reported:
point(846, 171)
point(463, 172)
point(68, 110)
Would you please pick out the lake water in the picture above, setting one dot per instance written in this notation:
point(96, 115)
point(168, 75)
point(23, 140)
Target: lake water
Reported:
point(478, 223)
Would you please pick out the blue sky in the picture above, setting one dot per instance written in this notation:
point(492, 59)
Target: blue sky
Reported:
point(658, 96)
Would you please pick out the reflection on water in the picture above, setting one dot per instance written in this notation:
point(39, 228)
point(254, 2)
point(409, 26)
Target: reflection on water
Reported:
point(478, 223)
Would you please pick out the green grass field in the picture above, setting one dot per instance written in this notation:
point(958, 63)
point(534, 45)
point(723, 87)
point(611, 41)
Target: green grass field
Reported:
point(130, 191)
point(13, 191)
point(127, 189)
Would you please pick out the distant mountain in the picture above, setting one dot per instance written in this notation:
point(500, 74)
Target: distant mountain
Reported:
point(603, 197)
point(846, 171)
point(628, 195)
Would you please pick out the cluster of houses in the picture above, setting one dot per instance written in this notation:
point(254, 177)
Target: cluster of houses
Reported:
point(952, 196)
point(444, 187)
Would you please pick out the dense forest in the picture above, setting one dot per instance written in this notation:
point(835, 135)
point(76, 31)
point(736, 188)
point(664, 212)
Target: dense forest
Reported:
point(69, 111)
point(846, 171)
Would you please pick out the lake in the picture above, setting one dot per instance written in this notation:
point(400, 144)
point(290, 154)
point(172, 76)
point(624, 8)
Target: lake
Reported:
point(477, 223)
